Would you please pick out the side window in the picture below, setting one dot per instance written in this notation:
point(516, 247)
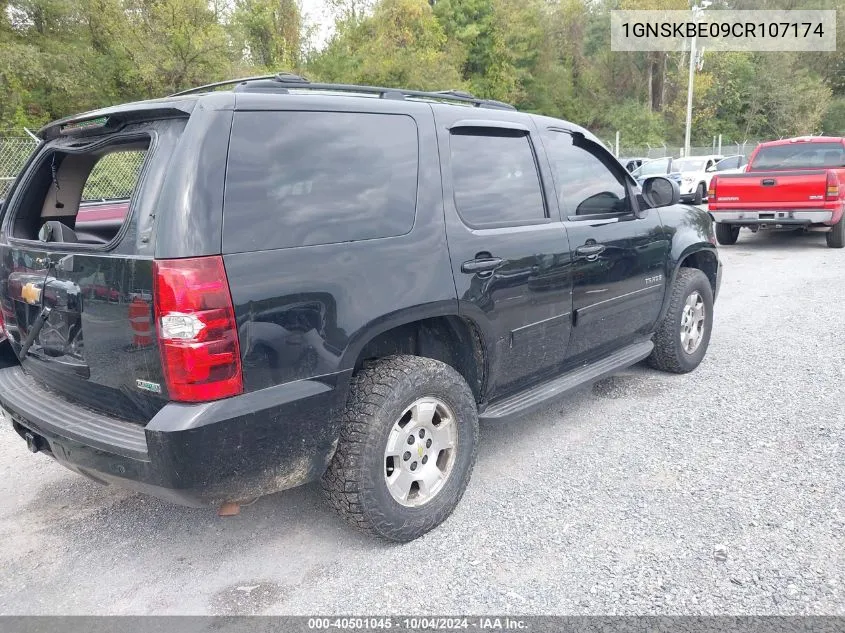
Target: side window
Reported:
point(495, 177)
point(585, 184)
point(306, 178)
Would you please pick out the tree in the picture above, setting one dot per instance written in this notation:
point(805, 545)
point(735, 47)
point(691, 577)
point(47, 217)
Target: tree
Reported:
point(637, 124)
point(269, 32)
point(550, 56)
point(400, 44)
point(834, 120)
point(174, 44)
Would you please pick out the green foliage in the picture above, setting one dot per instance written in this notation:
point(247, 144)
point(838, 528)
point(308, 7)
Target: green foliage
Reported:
point(269, 32)
point(834, 121)
point(637, 124)
point(551, 56)
point(400, 44)
point(172, 45)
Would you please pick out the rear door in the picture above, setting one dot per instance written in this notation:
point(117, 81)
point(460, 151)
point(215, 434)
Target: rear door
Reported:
point(618, 256)
point(509, 252)
point(76, 263)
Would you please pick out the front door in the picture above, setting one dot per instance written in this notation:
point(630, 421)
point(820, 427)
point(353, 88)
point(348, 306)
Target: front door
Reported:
point(510, 255)
point(618, 254)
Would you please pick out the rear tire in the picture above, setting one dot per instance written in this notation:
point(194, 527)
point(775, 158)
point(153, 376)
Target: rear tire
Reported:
point(699, 194)
point(726, 234)
point(836, 236)
point(691, 297)
point(364, 484)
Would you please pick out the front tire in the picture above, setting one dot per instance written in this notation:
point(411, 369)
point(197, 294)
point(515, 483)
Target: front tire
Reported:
point(836, 236)
point(681, 341)
point(726, 234)
point(699, 194)
point(407, 447)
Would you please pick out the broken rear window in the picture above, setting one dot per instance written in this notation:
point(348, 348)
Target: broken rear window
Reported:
point(81, 196)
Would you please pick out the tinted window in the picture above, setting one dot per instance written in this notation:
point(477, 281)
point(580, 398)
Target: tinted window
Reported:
point(728, 163)
point(495, 178)
point(654, 167)
point(584, 183)
point(304, 178)
point(800, 155)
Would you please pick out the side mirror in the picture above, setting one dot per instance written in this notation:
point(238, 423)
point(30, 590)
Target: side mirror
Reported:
point(710, 169)
point(661, 192)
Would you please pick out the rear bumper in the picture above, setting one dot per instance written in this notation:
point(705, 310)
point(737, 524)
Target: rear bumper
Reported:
point(795, 217)
point(192, 454)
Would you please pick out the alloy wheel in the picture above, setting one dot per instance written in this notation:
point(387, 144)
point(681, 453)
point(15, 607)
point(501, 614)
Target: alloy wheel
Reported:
point(420, 452)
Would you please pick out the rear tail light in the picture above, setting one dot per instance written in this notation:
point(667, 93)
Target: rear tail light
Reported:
point(711, 190)
point(832, 186)
point(197, 332)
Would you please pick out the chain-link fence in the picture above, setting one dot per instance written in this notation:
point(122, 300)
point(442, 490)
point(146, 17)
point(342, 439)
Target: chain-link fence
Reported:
point(112, 178)
point(15, 148)
point(661, 151)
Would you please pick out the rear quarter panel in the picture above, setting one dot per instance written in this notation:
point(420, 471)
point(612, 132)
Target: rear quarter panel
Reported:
point(304, 312)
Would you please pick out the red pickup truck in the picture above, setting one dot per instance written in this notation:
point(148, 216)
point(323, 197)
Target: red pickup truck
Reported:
point(796, 183)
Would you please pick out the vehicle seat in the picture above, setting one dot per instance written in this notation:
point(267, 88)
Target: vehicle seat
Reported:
point(55, 231)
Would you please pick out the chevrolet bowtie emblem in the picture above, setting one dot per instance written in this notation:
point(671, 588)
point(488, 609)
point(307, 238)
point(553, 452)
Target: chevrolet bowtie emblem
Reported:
point(420, 450)
point(31, 293)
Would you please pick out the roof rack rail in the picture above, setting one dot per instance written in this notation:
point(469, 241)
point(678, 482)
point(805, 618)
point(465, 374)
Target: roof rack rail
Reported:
point(280, 83)
point(220, 84)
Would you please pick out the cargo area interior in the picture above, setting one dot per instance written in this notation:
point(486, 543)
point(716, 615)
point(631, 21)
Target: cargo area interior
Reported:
point(65, 199)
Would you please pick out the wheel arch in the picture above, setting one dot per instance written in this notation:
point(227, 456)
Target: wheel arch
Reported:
point(699, 255)
point(434, 332)
point(705, 260)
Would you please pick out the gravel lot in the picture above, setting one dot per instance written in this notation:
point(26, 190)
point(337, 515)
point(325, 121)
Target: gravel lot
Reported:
point(718, 492)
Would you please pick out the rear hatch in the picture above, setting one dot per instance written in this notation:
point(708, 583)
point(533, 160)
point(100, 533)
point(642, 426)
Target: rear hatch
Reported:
point(788, 176)
point(76, 263)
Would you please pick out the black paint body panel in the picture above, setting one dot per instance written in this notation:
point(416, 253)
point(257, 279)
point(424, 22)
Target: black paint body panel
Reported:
point(305, 313)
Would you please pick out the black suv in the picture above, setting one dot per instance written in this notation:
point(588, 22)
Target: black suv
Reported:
point(304, 282)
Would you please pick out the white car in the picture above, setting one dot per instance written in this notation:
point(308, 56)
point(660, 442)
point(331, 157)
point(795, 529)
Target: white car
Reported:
point(696, 173)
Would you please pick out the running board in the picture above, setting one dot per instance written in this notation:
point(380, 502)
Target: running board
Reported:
point(525, 401)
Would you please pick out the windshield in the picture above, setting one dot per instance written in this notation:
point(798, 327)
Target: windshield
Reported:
point(801, 155)
point(653, 168)
point(689, 164)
